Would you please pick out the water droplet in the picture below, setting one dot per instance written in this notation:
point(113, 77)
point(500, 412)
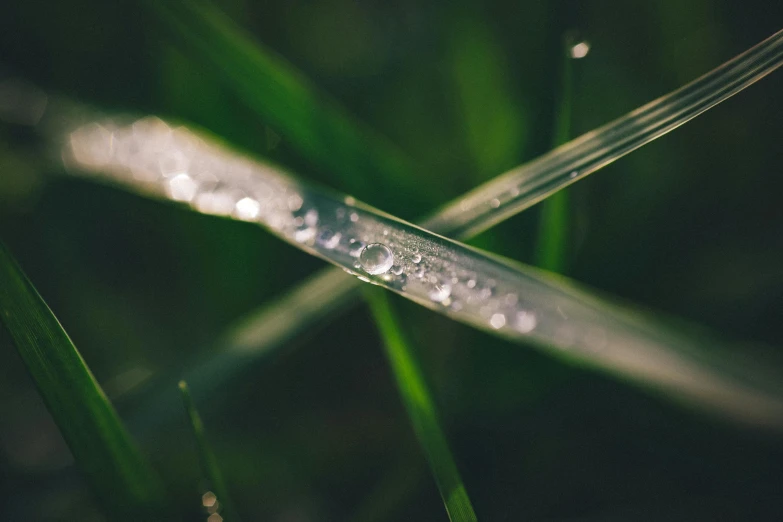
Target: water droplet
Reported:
point(311, 217)
point(498, 321)
point(495, 203)
point(573, 174)
point(354, 217)
point(355, 247)
point(416, 258)
point(471, 283)
point(396, 269)
point(328, 239)
point(304, 235)
point(294, 202)
point(182, 187)
point(350, 201)
point(526, 321)
point(440, 292)
point(376, 258)
point(580, 50)
point(247, 209)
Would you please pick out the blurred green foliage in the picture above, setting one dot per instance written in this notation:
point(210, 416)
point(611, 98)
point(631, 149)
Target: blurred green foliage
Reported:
point(690, 225)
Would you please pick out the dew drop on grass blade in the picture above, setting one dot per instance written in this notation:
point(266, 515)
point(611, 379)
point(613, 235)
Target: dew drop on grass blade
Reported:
point(490, 293)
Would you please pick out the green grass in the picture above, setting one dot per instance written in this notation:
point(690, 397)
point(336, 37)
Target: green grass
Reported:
point(308, 119)
point(554, 225)
point(207, 456)
point(111, 462)
point(318, 130)
point(421, 408)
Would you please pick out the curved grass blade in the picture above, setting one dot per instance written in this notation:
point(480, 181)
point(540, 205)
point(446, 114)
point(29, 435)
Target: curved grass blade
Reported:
point(208, 459)
point(551, 252)
point(310, 121)
point(490, 293)
point(117, 472)
point(421, 409)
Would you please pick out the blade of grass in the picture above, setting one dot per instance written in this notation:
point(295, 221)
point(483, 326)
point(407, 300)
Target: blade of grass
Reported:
point(207, 456)
point(553, 227)
point(120, 476)
point(421, 409)
point(308, 119)
point(479, 289)
point(634, 350)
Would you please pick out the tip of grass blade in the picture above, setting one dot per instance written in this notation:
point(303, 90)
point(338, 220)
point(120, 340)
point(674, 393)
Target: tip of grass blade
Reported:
point(223, 504)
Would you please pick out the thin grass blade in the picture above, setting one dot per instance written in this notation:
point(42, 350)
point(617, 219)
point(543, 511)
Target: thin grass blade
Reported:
point(421, 409)
point(225, 507)
point(553, 230)
point(524, 186)
point(118, 473)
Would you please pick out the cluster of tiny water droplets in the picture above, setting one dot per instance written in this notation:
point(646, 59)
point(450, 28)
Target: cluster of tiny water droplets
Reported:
point(151, 156)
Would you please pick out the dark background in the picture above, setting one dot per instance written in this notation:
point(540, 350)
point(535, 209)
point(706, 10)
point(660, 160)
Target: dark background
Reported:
point(690, 225)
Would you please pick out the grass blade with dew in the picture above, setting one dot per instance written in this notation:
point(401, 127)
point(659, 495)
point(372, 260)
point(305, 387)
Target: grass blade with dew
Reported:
point(421, 409)
point(490, 293)
point(307, 118)
point(221, 502)
point(551, 251)
point(120, 476)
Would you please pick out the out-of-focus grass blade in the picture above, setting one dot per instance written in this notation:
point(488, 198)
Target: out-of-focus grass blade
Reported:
point(208, 459)
point(553, 235)
point(116, 470)
point(312, 123)
point(421, 409)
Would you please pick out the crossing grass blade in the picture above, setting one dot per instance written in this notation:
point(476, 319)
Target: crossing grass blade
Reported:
point(113, 465)
point(208, 459)
point(420, 408)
